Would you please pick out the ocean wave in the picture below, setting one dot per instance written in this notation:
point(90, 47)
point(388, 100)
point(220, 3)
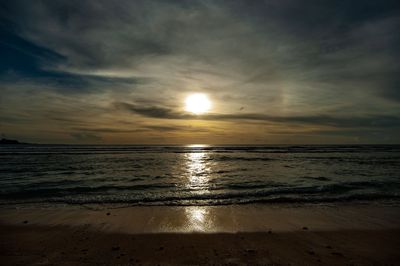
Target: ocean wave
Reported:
point(204, 175)
point(207, 201)
point(238, 158)
point(235, 192)
point(318, 178)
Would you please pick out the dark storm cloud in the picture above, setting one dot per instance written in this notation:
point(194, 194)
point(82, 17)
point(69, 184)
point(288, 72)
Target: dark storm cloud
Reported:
point(153, 111)
point(166, 113)
point(105, 130)
point(83, 131)
point(168, 128)
point(140, 128)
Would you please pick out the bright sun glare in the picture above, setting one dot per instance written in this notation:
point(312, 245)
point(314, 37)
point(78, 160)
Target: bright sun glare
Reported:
point(197, 103)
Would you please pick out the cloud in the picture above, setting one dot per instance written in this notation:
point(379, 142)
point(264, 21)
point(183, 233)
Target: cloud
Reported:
point(275, 48)
point(171, 128)
point(105, 130)
point(277, 62)
point(140, 128)
point(84, 136)
point(153, 111)
point(350, 121)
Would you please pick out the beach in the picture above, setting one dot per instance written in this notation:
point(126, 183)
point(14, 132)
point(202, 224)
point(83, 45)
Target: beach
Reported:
point(202, 205)
point(257, 234)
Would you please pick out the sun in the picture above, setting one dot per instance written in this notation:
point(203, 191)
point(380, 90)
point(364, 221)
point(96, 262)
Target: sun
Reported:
point(197, 103)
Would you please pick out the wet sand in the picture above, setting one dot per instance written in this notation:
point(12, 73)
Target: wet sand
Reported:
point(226, 235)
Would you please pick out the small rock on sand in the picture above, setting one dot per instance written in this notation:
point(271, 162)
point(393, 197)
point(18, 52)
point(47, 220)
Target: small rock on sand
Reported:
point(251, 251)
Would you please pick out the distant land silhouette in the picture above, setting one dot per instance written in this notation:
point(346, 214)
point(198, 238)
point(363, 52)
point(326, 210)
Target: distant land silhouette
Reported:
point(10, 141)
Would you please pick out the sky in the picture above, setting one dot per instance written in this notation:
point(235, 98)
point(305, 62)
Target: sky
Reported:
point(276, 71)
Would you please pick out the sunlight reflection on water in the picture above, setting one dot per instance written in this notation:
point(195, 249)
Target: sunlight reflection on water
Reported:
point(198, 177)
point(197, 172)
point(198, 218)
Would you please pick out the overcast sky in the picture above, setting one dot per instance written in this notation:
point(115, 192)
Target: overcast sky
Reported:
point(276, 71)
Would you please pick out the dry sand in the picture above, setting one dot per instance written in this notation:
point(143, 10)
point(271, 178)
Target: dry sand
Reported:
point(225, 235)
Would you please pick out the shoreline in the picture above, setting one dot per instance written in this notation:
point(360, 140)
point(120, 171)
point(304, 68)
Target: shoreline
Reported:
point(212, 219)
point(350, 234)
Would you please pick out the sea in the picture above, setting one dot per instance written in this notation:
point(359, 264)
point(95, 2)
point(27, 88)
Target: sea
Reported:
point(132, 175)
